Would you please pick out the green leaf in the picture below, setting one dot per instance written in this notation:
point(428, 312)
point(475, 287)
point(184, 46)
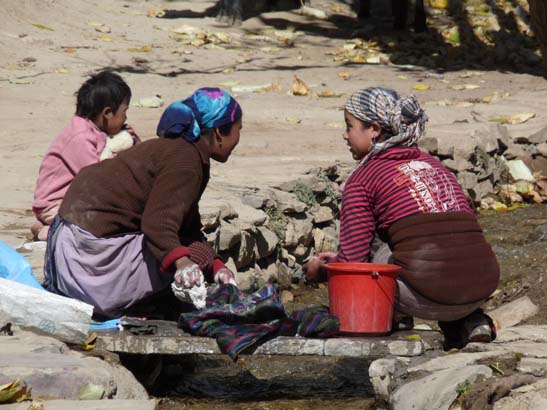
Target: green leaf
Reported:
point(92, 392)
point(42, 27)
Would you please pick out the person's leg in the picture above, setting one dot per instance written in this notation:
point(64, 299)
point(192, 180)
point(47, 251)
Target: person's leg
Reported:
point(460, 324)
point(44, 218)
point(381, 253)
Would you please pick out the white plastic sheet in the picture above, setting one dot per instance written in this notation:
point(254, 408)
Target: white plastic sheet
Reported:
point(58, 316)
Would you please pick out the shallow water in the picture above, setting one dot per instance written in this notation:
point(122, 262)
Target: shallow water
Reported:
point(306, 382)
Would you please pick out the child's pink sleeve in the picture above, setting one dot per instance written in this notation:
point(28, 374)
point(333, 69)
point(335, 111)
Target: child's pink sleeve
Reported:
point(84, 153)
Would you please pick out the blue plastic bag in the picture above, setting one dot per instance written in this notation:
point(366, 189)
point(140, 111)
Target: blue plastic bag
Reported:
point(15, 267)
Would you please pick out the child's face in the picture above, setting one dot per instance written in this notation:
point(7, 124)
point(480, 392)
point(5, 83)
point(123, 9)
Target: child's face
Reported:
point(357, 136)
point(116, 120)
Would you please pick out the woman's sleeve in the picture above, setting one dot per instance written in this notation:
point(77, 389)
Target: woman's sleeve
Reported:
point(357, 225)
point(169, 207)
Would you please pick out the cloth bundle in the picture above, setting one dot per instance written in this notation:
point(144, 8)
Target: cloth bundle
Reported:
point(239, 322)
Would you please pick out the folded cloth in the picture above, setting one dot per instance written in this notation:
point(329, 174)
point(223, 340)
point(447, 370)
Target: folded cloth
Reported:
point(239, 322)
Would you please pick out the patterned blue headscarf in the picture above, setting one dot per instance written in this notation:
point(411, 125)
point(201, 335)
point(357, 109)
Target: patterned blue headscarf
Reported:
point(207, 108)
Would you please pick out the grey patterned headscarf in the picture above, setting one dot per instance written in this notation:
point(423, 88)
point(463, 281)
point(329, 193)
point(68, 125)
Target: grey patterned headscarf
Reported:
point(401, 118)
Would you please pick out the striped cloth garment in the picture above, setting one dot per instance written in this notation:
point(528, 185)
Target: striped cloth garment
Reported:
point(396, 183)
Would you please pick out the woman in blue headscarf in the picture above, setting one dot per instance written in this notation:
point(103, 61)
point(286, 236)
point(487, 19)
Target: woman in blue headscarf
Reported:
point(129, 227)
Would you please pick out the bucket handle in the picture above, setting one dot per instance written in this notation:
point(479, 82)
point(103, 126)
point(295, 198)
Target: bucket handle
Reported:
point(377, 275)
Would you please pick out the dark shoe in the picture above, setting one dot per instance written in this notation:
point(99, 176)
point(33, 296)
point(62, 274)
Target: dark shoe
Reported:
point(402, 323)
point(478, 327)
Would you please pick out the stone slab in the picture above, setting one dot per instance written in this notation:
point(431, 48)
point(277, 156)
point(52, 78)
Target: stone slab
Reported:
point(53, 371)
point(86, 405)
point(125, 342)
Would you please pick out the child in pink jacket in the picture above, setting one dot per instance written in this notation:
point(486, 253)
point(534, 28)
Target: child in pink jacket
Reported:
point(101, 106)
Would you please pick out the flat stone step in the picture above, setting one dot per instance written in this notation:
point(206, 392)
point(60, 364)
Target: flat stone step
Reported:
point(404, 343)
point(87, 405)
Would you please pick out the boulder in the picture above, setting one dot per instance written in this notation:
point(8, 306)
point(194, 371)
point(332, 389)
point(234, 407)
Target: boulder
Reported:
point(259, 200)
point(246, 252)
point(298, 231)
point(438, 390)
point(322, 214)
point(266, 242)
point(539, 137)
point(288, 203)
point(53, 371)
point(229, 236)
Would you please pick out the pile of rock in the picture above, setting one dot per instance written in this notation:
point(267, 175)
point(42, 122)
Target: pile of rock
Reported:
point(495, 169)
point(266, 234)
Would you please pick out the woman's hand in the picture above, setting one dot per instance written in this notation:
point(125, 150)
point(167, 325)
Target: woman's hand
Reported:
point(188, 273)
point(315, 269)
point(225, 276)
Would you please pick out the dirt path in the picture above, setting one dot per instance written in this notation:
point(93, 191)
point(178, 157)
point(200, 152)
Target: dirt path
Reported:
point(48, 48)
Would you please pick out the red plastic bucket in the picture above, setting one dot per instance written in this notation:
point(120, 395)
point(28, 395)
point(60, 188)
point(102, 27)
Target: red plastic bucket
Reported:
point(362, 295)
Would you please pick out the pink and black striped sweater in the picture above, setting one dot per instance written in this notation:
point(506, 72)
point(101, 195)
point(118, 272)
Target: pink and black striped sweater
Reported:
point(394, 184)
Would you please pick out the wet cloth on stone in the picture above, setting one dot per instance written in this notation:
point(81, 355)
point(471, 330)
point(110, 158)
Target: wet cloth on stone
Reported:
point(238, 321)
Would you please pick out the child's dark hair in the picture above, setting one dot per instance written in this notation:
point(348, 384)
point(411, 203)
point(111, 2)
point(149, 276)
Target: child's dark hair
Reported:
point(105, 89)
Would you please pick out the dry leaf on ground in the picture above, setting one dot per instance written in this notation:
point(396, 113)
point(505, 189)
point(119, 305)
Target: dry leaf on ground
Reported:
point(293, 120)
point(155, 13)
point(344, 74)
point(515, 119)
point(299, 87)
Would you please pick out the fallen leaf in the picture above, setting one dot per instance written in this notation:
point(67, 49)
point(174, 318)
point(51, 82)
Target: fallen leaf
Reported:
point(20, 81)
point(104, 38)
point(103, 28)
point(16, 391)
point(36, 405)
point(155, 13)
point(461, 87)
point(373, 59)
point(229, 83)
point(149, 102)
point(89, 343)
point(469, 74)
point(344, 75)
point(335, 124)
point(293, 120)
point(337, 8)
point(413, 337)
point(42, 27)
point(61, 70)
point(256, 88)
point(92, 392)
point(70, 50)
point(299, 87)
point(421, 87)
point(327, 94)
point(439, 4)
point(143, 49)
point(515, 119)
point(359, 59)
point(313, 12)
